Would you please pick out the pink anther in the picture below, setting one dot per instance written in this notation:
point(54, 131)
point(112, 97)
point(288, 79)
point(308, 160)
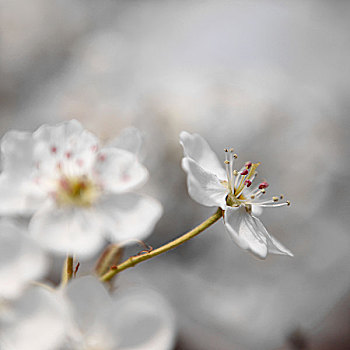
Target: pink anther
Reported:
point(244, 172)
point(248, 183)
point(68, 155)
point(53, 149)
point(263, 185)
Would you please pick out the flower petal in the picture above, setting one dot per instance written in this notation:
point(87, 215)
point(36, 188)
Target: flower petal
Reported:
point(37, 321)
point(89, 300)
point(70, 230)
point(21, 260)
point(145, 321)
point(129, 216)
point(129, 139)
point(203, 186)
point(119, 170)
point(197, 148)
point(250, 234)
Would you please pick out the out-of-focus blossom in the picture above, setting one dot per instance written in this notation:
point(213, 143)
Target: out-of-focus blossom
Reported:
point(83, 316)
point(136, 320)
point(37, 320)
point(21, 260)
point(209, 184)
point(78, 190)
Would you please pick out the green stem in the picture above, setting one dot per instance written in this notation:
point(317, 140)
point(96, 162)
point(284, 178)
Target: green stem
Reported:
point(134, 260)
point(67, 271)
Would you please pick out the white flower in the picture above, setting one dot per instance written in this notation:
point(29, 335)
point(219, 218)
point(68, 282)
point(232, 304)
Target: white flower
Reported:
point(78, 191)
point(37, 320)
point(83, 316)
point(212, 185)
point(21, 260)
point(130, 320)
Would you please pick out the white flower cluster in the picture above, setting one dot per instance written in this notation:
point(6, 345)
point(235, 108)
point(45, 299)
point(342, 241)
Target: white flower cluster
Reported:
point(77, 194)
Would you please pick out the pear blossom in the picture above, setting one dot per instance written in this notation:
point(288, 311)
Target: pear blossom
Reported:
point(232, 190)
point(83, 316)
point(78, 191)
point(21, 260)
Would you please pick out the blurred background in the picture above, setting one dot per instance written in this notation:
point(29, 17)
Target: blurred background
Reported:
point(269, 78)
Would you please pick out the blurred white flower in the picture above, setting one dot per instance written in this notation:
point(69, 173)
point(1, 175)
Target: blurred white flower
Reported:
point(83, 316)
point(37, 320)
point(209, 184)
point(134, 320)
point(78, 190)
point(21, 260)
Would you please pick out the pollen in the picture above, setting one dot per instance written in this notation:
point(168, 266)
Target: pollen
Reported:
point(76, 191)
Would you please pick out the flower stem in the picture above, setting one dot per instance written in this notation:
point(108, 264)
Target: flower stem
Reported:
point(67, 271)
point(134, 260)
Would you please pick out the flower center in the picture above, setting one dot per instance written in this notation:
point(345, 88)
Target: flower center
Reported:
point(239, 182)
point(76, 191)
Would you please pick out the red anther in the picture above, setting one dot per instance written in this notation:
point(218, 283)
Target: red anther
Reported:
point(248, 165)
point(53, 149)
point(114, 267)
point(247, 182)
point(244, 172)
point(263, 185)
point(76, 269)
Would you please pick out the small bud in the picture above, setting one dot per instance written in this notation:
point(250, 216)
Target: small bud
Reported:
point(110, 257)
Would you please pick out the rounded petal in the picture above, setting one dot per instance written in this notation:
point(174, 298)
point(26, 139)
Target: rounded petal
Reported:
point(19, 196)
point(17, 153)
point(89, 301)
point(129, 216)
point(144, 321)
point(203, 186)
point(119, 170)
point(196, 148)
point(129, 139)
point(250, 234)
point(68, 230)
point(21, 260)
point(37, 321)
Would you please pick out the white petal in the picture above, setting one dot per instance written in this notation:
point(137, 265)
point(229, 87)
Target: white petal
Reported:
point(274, 246)
point(198, 149)
point(17, 153)
point(249, 233)
point(37, 321)
point(129, 216)
point(203, 186)
point(89, 301)
point(144, 321)
point(119, 170)
point(257, 210)
point(129, 139)
point(68, 230)
point(19, 196)
point(21, 260)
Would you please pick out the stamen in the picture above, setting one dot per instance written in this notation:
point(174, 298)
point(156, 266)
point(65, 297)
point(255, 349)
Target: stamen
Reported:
point(248, 165)
point(281, 196)
point(226, 162)
point(263, 190)
point(235, 156)
point(231, 150)
point(275, 199)
point(288, 203)
point(244, 172)
point(247, 183)
point(235, 172)
point(264, 184)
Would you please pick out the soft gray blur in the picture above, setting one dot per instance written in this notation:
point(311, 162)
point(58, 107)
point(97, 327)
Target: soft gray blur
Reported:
point(269, 78)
